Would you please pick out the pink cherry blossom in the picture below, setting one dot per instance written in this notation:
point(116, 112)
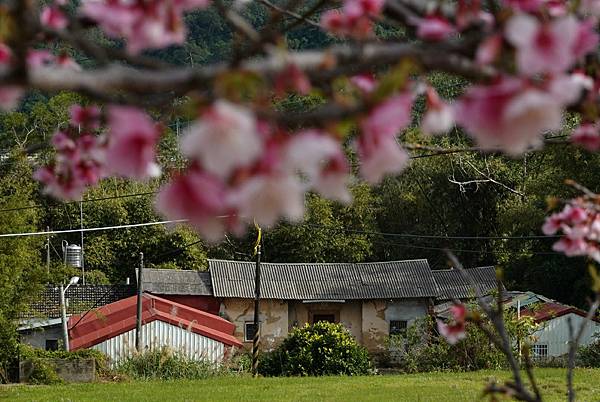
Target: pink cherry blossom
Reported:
point(332, 182)
point(294, 79)
point(489, 50)
point(353, 19)
point(133, 136)
point(525, 5)
point(587, 136)
point(439, 117)
point(267, 198)
point(198, 197)
point(456, 330)
point(543, 47)
point(5, 55)
point(10, 96)
point(390, 117)
point(53, 17)
point(590, 7)
point(149, 24)
point(79, 163)
point(380, 156)
point(85, 117)
point(587, 38)
point(321, 158)
point(508, 115)
point(435, 28)
point(364, 82)
point(224, 138)
point(567, 89)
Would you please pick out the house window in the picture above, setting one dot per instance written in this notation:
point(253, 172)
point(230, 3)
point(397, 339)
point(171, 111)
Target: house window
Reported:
point(51, 344)
point(249, 331)
point(539, 351)
point(398, 327)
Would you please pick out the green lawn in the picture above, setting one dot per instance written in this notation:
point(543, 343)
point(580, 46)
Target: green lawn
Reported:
point(445, 387)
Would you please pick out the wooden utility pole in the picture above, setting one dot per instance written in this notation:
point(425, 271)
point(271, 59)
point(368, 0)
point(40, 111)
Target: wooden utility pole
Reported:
point(138, 318)
point(256, 339)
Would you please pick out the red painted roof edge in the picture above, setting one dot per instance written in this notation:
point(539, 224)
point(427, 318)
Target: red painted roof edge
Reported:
point(562, 310)
point(90, 335)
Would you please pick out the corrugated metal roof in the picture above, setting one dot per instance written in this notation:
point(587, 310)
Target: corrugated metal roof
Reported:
point(80, 299)
point(378, 280)
point(175, 282)
point(452, 285)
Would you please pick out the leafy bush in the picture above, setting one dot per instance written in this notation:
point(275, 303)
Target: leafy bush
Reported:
point(589, 356)
point(166, 364)
point(43, 373)
point(27, 352)
point(315, 350)
point(420, 350)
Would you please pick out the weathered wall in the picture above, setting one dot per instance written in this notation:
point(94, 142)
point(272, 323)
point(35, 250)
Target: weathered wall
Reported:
point(37, 337)
point(377, 314)
point(70, 370)
point(273, 317)
point(348, 313)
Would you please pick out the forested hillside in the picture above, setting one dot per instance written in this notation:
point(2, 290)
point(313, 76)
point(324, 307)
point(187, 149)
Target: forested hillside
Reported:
point(488, 209)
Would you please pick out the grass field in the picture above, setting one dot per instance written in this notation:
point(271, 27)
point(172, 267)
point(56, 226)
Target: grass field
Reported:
point(445, 387)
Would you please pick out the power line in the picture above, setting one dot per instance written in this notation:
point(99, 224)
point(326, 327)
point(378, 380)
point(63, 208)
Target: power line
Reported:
point(443, 237)
point(77, 202)
point(98, 229)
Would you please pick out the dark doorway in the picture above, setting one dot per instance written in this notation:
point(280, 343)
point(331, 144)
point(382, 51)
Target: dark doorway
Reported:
point(323, 317)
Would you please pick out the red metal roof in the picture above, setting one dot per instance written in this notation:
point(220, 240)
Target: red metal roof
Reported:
point(119, 317)
point(550, 310)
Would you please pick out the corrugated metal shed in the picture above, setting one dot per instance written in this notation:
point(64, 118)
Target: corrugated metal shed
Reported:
point(174, 282)
point(165, 323)
point(452, 285)
point(157, 334)
point(379, 280)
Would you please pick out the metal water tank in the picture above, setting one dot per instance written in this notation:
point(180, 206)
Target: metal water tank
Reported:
point(72, 255)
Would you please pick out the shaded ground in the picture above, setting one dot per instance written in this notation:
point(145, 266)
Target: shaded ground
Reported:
point(432, 387)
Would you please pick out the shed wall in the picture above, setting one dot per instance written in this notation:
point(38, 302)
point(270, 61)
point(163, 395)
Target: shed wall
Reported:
point(555, 333)
point(157, 334)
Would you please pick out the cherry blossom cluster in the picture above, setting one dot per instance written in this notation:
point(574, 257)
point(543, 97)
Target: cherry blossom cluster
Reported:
point(84, 155)
point(455, 330)
point(144, 24)
point(10, 95)
point(579, 224)
point(242, 170)
point(354, 19)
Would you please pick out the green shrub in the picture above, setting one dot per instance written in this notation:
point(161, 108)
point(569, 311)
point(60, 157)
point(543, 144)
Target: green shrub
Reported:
point(166, 364)
point(589, 356)
point(420, 350)
point(27, 352)
point(43, 373)
point(315, 350)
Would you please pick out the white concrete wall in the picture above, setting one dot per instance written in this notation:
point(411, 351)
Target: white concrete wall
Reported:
point(555, 333)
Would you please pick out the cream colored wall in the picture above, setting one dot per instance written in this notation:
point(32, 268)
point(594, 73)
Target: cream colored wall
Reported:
point(273, 317)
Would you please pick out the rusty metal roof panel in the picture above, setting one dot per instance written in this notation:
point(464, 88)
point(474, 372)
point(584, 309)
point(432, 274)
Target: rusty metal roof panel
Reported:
point(452, 285)
point(176, 282)
point(334, 281)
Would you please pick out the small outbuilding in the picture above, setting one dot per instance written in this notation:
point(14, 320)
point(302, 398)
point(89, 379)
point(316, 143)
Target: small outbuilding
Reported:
point(197, 334)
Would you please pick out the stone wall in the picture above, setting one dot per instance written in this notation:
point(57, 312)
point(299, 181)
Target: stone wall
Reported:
point(70, 370)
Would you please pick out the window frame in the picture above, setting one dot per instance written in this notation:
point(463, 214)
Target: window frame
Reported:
point(246, 324)
point(538, 348)
point(398, 331)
